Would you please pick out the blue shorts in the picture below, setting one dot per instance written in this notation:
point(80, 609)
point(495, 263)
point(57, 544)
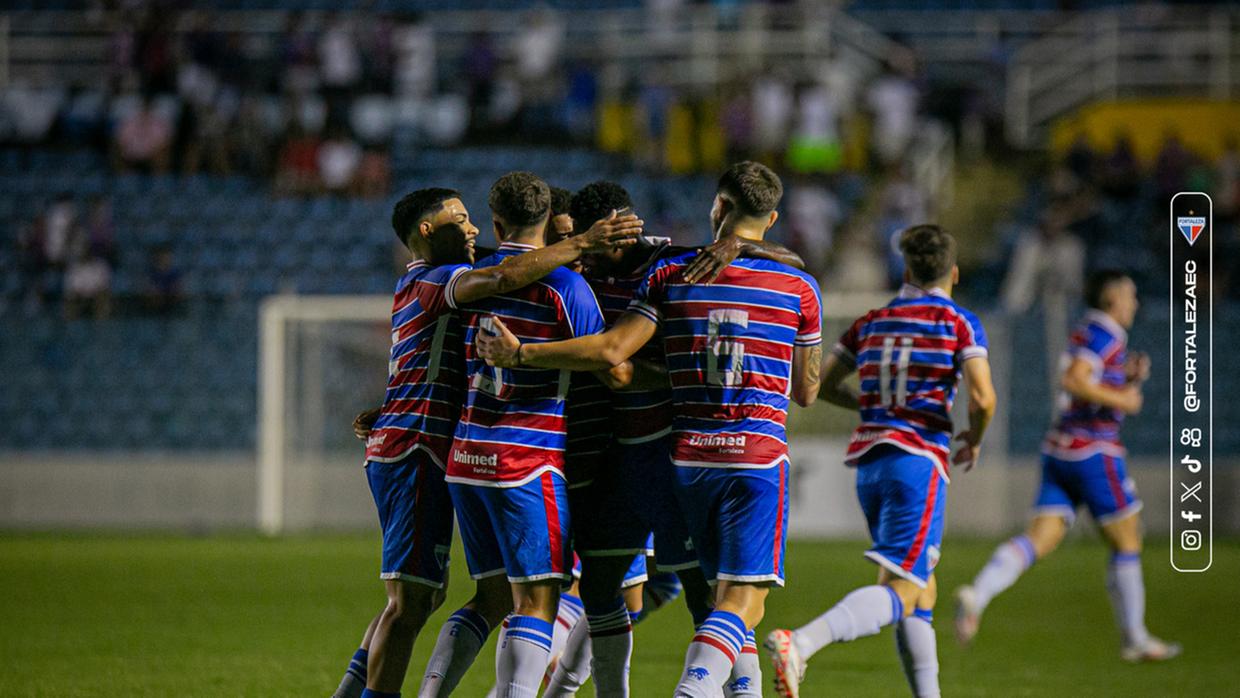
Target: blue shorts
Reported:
point(738, 518)
point(523, 530)
point(415, 513)
point(1100, 482)
point(903, 497)
point(630, 500)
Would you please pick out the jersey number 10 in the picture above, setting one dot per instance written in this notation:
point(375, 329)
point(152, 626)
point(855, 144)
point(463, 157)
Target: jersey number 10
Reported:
point(901, 377)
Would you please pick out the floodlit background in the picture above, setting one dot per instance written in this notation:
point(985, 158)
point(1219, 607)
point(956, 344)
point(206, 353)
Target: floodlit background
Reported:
point(196, 263)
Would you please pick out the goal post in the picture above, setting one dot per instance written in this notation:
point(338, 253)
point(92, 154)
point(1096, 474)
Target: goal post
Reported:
point(321, 360)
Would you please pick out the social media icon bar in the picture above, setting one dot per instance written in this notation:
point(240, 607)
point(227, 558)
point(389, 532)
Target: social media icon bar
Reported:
point(1192, 381)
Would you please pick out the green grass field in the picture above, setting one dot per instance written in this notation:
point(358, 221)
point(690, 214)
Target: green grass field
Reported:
point(244, 616)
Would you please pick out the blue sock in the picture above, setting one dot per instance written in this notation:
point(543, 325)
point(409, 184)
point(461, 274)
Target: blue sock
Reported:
point(354, 681)
point(371, 693)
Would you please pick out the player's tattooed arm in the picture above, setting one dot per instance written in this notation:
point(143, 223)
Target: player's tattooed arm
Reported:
point(364, 422)
point(806, 373)
point(1078, 381)
point(715, 257)
point(524, 269)
point(592, 352)
point(981, 410)
point(834, 388)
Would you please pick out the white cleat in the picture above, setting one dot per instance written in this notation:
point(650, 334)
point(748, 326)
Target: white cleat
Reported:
point(968, 615)
point(1154, 650)
point(789, 667)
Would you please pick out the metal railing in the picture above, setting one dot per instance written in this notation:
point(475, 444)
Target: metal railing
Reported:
point(1122, 52)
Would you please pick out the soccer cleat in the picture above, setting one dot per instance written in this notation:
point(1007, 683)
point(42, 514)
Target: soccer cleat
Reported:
point(968, 616)
point(789, 667)
point(1154, 650)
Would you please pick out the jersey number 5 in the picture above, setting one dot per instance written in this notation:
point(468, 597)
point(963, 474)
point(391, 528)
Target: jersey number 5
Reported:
point(901, 377)
point(725, 359)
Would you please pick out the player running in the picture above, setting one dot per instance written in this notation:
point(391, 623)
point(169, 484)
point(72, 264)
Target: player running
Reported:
point(1083, 464)
point(910, 356)
point(408, 441)
point(736, 349)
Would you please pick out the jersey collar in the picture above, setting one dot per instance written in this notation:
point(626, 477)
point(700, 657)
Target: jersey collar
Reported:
point(417, 263)
point(1100, 317)
point(911, 291)
point(516, 247)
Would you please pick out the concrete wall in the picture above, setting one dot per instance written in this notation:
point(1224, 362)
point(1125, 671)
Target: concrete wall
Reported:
point(217, 491)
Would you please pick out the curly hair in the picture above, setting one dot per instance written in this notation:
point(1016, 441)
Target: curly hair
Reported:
point(560, 200)
point(929, 252)
point(520, 199)
point(596, 201)
point(413, 207)
point(753, 187)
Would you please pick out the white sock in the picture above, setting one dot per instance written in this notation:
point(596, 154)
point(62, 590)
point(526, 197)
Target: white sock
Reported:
point(714, 650)
point(919, 653)
point(522, 657)
point(1127, 589)
point(566, 618)
point(746, 678)
point(574, 666)
point(611, 643)
point(1009, 561)
point(354, 681)
point(862, 613)
point(460, 639)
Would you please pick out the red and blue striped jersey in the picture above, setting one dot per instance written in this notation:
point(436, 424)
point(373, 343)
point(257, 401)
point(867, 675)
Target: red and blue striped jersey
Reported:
point(589, 419)
point(639, 415)
point(729, 347)
point(513, 426)
point(909, 355)
point(1084, 429)
point(596, 415)
point(426, 370)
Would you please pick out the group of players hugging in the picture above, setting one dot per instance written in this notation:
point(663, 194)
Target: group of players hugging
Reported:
point(603, 414)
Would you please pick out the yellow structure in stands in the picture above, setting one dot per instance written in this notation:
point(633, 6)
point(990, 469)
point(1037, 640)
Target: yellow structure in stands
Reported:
point(1202, 125)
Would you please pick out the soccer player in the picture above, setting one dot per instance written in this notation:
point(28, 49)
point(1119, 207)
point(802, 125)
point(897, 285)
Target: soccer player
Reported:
point(505, 470)
point(1083, 464)
point(407, 444)
point(560, 224)
point(622, 478)
point(910, 356)
point(736, 350)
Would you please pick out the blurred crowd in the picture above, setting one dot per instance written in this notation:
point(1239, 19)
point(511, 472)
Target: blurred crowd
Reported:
point(315, 105)
point(67, 255)
point(1107, 207)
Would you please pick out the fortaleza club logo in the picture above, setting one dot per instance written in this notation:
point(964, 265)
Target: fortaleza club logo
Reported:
point(1191, 226)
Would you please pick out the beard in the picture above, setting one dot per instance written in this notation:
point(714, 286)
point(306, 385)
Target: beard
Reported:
point(448, 245)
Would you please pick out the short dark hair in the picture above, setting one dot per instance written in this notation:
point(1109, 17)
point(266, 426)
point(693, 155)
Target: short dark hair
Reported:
point(415, 206)
point(753, 187)
point(560, 200)
point(929, 252)
point(596, 201)
point(520, 199)
point(1098, 282)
